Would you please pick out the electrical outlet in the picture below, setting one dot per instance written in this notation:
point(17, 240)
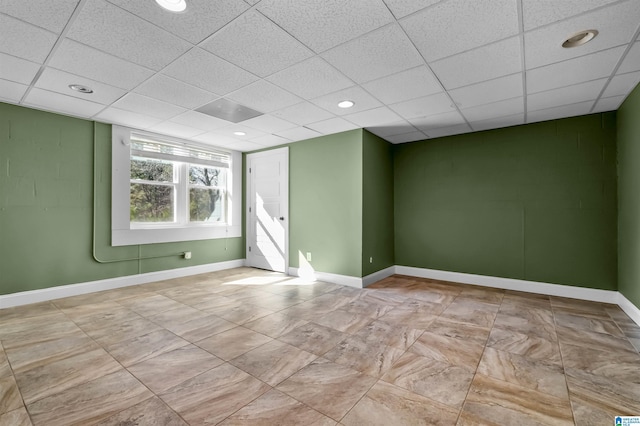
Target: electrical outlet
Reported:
point(371, 260)
point(309, 256)
point(187, 255)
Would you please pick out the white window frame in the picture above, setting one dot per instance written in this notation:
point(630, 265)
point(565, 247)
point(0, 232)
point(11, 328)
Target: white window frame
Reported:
point(124, 233)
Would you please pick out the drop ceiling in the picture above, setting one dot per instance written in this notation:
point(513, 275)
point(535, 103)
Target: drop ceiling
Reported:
point(416, 69)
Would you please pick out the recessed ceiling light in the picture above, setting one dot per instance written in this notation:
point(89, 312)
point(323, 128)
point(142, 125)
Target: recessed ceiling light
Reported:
point(346, 104)
point(578, 39)
point(173, 5)
point(239, 133)
point(80, 88)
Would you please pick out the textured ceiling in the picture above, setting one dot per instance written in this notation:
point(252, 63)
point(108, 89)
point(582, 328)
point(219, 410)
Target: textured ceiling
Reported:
point(416, 69)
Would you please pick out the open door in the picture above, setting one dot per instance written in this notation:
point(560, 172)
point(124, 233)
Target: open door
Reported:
point(268, 210)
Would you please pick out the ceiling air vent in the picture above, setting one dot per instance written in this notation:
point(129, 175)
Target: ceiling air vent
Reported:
point(228, 110)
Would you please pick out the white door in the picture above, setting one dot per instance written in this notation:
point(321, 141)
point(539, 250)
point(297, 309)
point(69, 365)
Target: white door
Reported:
point(268, 209)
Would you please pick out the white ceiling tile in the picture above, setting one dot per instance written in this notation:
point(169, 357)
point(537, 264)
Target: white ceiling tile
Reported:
point(249, 132)
point(374, 55)
point(402, 8)
point(495, 109)
point(373, 117)
point(449, 131)
point(617, 25)
point(82, 60)
point(485, 63)
point(25, 41)
point(17, 70)
point(332, 125)
point(631, 61)
point(609, 104)
point(256, 44)
point(572, 110)
point(59, 81)
point(622, 84)
point(197, 67)
point(322, 25)
point(252, 2)
point(458, 25)
point(496, 123)
point(175, 92)
point(12, 91)
point(215, 139)
point(244, 146)
point(60, 103)
point(115, 31)
point(268, 124)
point(363, 101)
point(198, 120)
point(303, 113)
point(126, 118)
point(506, 87)
point(404, 86)
point(407, 137)
point(311, 78)
point(437, 121)
point(299, 133)
point(540, 12)
point(565, 95)
point(51, 15)
point(175, 129)
point(148, 106)
point(578, 70)
point(264, 97)
point(270, 140)
point(200, 19)
point(392, 129)
point(429, 105)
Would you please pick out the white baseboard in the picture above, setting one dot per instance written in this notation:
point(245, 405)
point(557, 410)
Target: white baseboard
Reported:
point(629, 308)
point(347, 280)
point(51, 293)
point(591, 294)
point(377, 276)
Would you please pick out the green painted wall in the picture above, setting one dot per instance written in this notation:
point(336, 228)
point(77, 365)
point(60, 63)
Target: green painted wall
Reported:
point(534, 202)
point(325, 203)
point(46, 207)
point(629, 197)
point(377, 204)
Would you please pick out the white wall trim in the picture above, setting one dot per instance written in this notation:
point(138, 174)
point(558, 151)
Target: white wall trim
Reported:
point(591, 294)
point(347, 280)
point(378, 275)
point(51, 293)
point(629, 308)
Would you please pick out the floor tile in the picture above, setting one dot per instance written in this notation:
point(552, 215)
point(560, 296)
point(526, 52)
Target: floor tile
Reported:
point(355, 352)
point(498, 402)
point(150, 412)
point(483, 294)
point(616, 365)
point(313, 338)
point(90, 402)
point(534, 325)
point(10, 398)
point(619, 395)
point(179, 365)
point(275, 325)
point(440, 381)
point(145, 347)
point(403, 315)
point(5, 369)
point(361, 307)
point(592, 413)
point(449, 350)
point(386, 404)
point(273, 362)
point(18, 417)
point(460, 331)
point(122, 332)
point(232, 343)
point(379, 332)
point(590, 339)
point(18, 332)
point(327, 387)
point(343, 321)
point(63, 374)
point(589, 324)
point(524, 344)
point(241, 313)
point(150, 305)
point(276, 408)
point(27, 311)
point(471, 311)
point(212, 396)
point(525, 372)
point(200, 328)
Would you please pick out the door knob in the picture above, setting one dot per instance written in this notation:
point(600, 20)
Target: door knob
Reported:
point(281, 217)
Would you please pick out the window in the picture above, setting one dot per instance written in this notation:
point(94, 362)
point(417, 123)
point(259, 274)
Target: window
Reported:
point(175, 190)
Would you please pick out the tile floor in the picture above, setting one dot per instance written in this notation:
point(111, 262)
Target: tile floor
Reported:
point(245, 346)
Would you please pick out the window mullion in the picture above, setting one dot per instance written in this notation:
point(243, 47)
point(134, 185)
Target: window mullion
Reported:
point(182, 194)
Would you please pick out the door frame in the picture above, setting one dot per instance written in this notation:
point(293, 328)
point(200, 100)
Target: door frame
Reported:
point(250, 216)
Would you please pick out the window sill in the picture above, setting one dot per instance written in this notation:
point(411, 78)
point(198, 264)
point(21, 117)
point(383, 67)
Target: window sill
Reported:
point(127, 237)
